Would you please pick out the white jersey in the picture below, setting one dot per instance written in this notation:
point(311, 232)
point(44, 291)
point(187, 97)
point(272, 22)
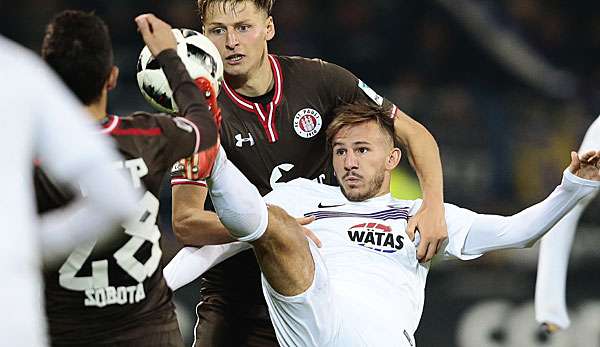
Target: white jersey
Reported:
point(376, 279)
point(42, 121)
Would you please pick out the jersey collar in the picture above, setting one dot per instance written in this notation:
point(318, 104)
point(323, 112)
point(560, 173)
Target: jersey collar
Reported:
point(109, 124)
point(265, 116)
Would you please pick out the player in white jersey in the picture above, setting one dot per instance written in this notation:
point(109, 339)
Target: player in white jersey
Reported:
point(364, 286)
point(42, 121)
point(555, 248)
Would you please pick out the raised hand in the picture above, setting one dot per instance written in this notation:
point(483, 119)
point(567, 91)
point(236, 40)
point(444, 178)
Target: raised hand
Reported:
point(586, 166)
point(156, 34)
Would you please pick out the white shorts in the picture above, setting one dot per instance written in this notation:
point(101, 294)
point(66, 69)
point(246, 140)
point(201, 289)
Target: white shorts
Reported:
point(315, 318)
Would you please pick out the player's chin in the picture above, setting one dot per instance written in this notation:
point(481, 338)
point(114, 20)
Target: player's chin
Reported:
point(235, 70)
point(354, 193)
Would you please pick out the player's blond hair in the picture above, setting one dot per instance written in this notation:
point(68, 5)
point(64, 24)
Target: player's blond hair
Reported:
point(203, 5)
point(357, 113)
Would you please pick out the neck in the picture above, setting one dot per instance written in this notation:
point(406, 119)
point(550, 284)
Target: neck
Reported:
point(385, 186)
point(97, 109)
point(255, 83)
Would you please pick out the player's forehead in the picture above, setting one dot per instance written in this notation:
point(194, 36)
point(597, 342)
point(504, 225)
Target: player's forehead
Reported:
point(362, 133)
point(231, 12)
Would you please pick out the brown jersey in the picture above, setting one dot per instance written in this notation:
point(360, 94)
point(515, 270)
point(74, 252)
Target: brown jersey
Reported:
point(277, 139)
point(114, 293)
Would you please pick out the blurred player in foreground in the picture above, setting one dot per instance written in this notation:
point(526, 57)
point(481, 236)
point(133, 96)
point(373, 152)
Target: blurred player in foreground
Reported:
point(116, 295)
point(275, 112)
point(42, 121)
point(364, 286)
point(555, 248)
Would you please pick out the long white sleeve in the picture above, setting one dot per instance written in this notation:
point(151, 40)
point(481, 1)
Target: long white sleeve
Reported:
point(191, 262)
point(492, 232)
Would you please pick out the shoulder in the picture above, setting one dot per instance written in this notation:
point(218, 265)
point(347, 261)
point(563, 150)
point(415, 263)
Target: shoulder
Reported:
point(145, 119)
point(296, 63)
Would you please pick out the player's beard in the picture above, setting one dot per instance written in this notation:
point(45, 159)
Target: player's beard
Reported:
point(373, 187)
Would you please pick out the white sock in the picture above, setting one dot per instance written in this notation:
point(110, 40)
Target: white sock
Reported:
point(550, 287)
point(237, 201)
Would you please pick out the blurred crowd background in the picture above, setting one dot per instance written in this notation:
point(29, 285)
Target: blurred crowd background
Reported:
point(507, 87)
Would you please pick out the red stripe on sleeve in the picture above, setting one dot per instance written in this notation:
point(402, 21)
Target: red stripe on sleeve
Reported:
point(137, 131)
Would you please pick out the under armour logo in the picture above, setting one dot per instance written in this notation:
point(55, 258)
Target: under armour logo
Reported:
point(240, 140)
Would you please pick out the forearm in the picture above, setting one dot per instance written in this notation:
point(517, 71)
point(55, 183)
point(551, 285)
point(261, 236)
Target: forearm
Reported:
point(188, 97)
point(423, 155)
point(490, 232)
point(191, 224)
point(201, 228)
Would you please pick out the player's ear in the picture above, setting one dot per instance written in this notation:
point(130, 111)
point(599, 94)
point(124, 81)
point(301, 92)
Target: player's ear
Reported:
point(111, 82)
point(270, 28)
point(393, 159)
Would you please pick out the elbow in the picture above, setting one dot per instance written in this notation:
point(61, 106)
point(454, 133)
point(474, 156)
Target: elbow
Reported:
point(181, 228)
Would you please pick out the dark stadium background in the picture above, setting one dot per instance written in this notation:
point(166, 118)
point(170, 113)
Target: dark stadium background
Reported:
point(505, 112)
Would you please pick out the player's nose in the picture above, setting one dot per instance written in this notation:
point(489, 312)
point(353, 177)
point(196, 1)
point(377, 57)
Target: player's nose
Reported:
point(231, 40)
point(350, 161)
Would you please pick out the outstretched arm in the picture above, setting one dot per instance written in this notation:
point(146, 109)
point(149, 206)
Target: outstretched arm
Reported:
point(489, 232)
point(424, 156)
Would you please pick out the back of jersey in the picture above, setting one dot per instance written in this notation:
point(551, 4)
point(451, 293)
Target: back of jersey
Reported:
point(114, 292)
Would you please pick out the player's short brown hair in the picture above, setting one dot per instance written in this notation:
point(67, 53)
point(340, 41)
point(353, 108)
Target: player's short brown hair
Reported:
point(203, 5)
point(358, 113)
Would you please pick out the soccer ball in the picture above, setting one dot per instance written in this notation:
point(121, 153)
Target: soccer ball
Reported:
point(198, 54)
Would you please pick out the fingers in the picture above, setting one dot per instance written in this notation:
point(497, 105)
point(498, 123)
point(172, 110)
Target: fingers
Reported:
point(422, 250)
point(143, 25)
point(312, 236)
point(588, 156)
point(411, 227)
point(305, 220)
point(575, 164)
point(431, 251)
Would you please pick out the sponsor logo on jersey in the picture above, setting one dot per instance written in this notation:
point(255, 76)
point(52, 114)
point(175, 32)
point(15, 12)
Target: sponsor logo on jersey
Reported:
point(322, 205)
point(307, 122)
point(376, 236)
point(370, 93)
point(239, 140)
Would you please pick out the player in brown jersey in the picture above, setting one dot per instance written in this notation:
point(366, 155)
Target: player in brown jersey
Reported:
point(275, 111)
point(115, 294)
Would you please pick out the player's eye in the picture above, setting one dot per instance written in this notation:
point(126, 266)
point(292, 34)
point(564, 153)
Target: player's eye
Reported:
point(363, 150)
point(217, 31)
point(243, 28)
point(340, 151)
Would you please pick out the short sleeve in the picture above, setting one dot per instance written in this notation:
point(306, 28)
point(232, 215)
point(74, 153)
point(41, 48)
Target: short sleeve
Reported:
point(344, 87)
point(182, 137)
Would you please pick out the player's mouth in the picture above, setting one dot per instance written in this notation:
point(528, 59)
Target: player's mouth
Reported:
point(234, 59)
point(352, 179)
